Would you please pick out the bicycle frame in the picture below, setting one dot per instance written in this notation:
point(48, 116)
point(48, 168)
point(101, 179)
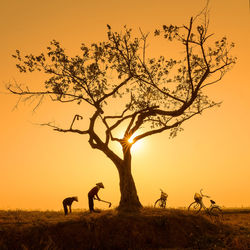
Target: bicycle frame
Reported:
point(202, 205)
point(164, 196)
point(214, 211)
point(161, 202)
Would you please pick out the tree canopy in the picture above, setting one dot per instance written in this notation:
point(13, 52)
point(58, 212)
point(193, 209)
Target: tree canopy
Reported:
point(157, 93)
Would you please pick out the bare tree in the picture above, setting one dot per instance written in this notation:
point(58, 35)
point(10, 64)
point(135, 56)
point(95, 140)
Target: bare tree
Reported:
point(156, 94)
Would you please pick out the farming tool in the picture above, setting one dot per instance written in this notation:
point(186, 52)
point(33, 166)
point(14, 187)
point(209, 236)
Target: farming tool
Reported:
point(104, 201)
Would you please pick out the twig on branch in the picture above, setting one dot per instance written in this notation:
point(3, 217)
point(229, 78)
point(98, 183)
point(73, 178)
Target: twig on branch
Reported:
point(75, 117)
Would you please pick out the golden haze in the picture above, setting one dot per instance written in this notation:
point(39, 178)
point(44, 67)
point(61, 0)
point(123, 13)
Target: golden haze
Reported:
point(40, 167)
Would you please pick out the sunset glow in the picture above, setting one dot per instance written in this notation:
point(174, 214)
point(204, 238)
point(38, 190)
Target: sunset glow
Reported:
point(41, 166)
point(138, 145)
point(131, 139)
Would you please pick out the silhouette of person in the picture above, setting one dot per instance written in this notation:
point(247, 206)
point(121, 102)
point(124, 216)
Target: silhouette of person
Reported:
point(67, 202)
point(92, 193)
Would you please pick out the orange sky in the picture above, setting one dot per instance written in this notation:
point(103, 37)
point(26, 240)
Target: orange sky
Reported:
point(40, 167)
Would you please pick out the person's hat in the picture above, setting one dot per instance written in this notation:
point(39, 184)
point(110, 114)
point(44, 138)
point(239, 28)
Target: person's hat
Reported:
point(100, 184)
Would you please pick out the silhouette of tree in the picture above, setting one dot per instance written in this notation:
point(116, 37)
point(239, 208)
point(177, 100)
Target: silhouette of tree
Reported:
point(157, 94)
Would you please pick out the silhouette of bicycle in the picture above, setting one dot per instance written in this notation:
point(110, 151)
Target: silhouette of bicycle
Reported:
point(161, 202)
point(214, 211)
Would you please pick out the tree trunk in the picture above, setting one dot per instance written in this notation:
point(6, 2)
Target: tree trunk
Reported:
point(129, 199)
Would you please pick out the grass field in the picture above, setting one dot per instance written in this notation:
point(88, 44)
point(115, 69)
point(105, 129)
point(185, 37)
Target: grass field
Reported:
point(149, 229)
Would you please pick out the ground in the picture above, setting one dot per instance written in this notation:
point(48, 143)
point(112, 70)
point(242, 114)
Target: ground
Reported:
point(149, 229)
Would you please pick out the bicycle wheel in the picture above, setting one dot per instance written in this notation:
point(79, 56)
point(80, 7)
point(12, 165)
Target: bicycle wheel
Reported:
point(194, 207)
point(160, 203)
point(216, 214)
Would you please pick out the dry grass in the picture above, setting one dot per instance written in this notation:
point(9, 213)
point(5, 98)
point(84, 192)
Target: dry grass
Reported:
point(149, 229)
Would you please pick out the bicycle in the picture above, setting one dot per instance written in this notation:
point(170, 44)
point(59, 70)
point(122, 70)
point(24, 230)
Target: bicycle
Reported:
point(214, 211)
point(161, 202)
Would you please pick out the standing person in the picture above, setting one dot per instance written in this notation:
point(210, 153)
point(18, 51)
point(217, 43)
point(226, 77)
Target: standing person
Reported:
point(92, 193)
point(67, 202)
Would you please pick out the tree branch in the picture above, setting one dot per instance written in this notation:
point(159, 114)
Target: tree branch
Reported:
point(188, 56)
point(114, 90)
point(22, 92)
point(176, 124)
point(65, 130)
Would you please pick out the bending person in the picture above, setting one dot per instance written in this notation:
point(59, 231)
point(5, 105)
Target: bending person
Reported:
point(67, 202)
point(92, 193)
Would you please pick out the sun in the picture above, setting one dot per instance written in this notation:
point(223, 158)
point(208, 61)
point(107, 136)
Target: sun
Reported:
point(137, 145)
point(131, 139)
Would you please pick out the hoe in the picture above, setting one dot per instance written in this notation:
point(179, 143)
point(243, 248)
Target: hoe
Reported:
point(104, 201)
